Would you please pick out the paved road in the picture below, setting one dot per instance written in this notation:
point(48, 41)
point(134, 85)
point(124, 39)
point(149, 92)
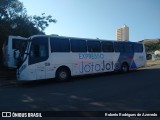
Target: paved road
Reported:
point(135, 91)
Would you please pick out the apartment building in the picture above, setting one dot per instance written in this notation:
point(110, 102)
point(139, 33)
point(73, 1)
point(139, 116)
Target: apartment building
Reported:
point(122, 33)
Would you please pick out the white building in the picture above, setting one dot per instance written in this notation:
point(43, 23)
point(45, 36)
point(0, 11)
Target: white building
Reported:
point(122, 33)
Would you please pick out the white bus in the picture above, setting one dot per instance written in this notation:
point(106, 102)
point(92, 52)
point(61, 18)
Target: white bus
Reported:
point(61, 57)
point(11, 49)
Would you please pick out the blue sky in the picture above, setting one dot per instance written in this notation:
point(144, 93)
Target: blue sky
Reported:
point(99, 18)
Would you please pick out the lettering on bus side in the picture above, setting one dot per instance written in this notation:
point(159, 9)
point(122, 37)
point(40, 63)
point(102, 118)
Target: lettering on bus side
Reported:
point(96, 67)
point(91, 56)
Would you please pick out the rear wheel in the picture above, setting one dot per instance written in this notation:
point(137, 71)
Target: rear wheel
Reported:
point(63, 74)
point(124, 68)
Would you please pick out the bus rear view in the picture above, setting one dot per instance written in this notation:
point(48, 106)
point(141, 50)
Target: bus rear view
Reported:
point(11, 51)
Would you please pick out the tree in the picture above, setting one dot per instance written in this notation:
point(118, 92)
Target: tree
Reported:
point(15, 21)
point(9, 9)
point(41, 22)
point(152, 46)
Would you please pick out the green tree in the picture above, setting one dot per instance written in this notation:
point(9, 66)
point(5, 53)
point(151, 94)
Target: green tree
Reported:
point(152, 46)
point(15, 21)
point(41, 22)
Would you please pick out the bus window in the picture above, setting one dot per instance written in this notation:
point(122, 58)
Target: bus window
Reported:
point(107, 46)
point(39, 50)
point(15, 44)
point(119, 46)
point(94, 46)
point(129, 47)
point(59, 44)
point(138, 47)
point(78, 45)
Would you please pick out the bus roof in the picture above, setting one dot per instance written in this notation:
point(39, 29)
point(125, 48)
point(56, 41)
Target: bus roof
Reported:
point(57, 36)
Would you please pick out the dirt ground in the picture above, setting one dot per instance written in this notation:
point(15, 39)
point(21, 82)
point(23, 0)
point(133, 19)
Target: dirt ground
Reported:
point(152, 62)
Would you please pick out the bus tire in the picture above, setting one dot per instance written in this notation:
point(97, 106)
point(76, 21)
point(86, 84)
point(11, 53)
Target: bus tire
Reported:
point(124, 68)
point(63, 74)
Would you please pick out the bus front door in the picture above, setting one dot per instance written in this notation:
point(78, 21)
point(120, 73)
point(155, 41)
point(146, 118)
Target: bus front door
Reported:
point(38, 56)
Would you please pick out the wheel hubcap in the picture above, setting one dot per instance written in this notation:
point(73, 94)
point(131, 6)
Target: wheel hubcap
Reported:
point(63, 75)
point(124, 68)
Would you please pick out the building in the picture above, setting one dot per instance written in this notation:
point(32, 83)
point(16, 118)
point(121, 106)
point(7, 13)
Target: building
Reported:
point(122, 33)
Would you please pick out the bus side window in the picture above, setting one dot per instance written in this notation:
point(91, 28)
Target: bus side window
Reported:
point(129, 47)
point(107, 46)
point(42, 51)
point(59, 44)
point(35, 51)
point(94, 46)
point(78, 45)
point(138, 47)
point(39, 50)
point(119, 46)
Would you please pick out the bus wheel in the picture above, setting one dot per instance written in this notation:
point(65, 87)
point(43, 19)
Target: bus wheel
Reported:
point(62, 74)
point(124, 68)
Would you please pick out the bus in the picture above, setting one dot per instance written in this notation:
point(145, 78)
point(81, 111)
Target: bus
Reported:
point(61, 57)
point(11, 49)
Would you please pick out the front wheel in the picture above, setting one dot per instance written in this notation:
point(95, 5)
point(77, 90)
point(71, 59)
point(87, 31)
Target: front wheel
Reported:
point(62, 74)
point(124, 68)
